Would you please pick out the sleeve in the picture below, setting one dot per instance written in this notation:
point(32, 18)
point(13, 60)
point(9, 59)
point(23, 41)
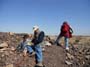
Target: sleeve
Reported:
point(40, 38)
point(71, 30)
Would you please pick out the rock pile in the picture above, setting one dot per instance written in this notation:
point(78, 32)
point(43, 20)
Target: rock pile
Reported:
point(78, 56)
point(9, 57)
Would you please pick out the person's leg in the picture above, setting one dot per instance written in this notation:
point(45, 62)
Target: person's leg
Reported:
point(43, 45)
point(58, 39)
point(67, 43)
point(39, 56)
point(29, 49)
point(25, 52)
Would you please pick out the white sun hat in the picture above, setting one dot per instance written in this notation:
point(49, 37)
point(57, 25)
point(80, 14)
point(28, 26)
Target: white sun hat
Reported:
point(35, 28)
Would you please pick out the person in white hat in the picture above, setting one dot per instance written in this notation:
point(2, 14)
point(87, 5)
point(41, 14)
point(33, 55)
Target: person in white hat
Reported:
point(37, 40)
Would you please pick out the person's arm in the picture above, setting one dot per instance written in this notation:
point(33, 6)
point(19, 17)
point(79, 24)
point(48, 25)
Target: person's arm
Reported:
point(71, 30)
point(40, 38)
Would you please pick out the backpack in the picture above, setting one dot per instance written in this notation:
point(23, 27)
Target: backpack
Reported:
point(64, 28)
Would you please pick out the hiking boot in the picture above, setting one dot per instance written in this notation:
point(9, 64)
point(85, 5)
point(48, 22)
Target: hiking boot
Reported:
point(67, 48)
point(39, 65)
point(57, 43)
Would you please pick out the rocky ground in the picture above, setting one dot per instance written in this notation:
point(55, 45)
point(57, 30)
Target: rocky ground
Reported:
point(54, 56)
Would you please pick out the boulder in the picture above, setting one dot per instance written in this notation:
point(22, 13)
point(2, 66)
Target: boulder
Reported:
point(87, 57)
point(9, 65)
point(13, 48)
point(68, 62)
point(69, 56)
point(4, 44)
point(11, 33)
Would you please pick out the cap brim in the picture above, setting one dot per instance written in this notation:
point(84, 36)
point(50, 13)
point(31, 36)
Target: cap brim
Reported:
point(34, 29)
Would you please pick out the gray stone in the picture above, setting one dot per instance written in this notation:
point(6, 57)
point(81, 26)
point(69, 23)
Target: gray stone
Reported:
point(4, 44)
point(9, 65)
point(87, 57)
point(69, 56)
point(68, 62)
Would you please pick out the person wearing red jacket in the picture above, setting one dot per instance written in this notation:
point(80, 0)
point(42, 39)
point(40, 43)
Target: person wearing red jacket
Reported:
point(66, 32)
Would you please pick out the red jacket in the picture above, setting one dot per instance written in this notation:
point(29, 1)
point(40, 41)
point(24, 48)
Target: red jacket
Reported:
point(65, 30)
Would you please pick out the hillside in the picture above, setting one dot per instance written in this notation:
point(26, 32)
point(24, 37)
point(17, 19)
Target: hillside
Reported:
point(54, 56)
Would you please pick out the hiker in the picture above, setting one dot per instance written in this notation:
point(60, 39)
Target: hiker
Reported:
point(66, 32)
point(37, 40)
point(26, 45)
